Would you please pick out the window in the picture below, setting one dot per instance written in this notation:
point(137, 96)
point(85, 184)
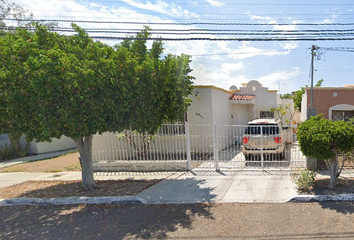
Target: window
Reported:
point(342, 115)
point(267, 129)
point(266, 114)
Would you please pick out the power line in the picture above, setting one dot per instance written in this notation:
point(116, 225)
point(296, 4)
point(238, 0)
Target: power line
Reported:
point(223, 3)
point(187, 17)
point(239, 53)
point(191, 23)
point(226, 39)
point(217, 14)
point(152, 30)
point(176, 32)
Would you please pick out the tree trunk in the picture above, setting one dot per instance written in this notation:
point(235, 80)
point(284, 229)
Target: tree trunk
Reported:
point(85, 148)
point(333, 170)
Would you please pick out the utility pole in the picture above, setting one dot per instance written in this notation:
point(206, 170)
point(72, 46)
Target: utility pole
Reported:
point(311, 110)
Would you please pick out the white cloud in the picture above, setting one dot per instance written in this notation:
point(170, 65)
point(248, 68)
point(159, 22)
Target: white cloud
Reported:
point(329, 20)
point(270, 20)
point(271, 80)
point(290, 45)
point(231, 67)
point(223, 78)
point(247, 51)
point(162, 7)
point(191, 48)
point(215, 3)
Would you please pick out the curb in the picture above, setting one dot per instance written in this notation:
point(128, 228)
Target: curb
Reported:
point(322, 198)
point(71, 201)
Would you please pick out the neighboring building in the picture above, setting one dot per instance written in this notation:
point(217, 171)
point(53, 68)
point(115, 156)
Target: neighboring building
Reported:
point(335, 103)
point(234, 106)
point(42, 147)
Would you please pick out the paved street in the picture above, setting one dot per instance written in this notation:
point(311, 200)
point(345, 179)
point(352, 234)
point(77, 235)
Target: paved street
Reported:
point(329, 220)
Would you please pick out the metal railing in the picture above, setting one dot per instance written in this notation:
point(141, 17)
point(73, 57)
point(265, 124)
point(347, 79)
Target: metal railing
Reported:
point(203, 147)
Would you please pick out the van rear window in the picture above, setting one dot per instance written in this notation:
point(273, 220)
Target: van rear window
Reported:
point(267, 129)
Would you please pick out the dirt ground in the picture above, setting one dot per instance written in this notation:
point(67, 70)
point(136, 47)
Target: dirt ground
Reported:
point(68, 162)
point(58, 189)
point(344, 185)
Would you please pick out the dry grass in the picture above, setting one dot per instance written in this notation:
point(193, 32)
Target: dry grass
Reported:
point(58, 189)
point(321, 187)
point(69, 162)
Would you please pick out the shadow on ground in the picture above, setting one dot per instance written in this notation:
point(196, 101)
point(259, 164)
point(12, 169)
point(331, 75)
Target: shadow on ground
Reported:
point(59, 189)
point(97, 221)
point(341, 207)
point(102, 221)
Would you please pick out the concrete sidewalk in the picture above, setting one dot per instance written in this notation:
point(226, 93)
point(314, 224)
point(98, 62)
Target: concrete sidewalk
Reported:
point(223, 187)
point(185, 187)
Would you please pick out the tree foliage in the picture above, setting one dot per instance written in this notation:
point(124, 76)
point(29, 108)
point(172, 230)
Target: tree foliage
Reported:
point(325, 139)
point(297, 95)
point(283, 110)
point(53, 85)
point(162, 84)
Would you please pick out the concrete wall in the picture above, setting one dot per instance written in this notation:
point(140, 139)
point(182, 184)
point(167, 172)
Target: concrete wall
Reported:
point(56, 145)
point(200, 110)
point(221, 108)
point(4, 140)
point(42, 147)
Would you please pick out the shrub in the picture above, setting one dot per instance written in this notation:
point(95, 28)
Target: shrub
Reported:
point(7, 152)
point(305, 179)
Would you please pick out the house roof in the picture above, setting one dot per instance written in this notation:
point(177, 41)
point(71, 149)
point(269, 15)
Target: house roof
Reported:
point(242, 97)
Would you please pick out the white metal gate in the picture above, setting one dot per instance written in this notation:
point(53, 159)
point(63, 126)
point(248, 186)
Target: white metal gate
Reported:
point(191, 147)
point(225, 150)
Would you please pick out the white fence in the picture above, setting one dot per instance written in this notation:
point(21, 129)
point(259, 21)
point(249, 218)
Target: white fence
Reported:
point(190, 146)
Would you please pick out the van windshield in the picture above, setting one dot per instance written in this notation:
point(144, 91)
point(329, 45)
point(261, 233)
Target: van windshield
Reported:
point(267, 129)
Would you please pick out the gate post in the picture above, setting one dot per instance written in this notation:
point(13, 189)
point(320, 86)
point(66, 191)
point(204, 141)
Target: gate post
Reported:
point(216, 149)
point(188, 146)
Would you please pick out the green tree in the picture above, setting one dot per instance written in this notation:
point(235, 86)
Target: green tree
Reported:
point(297, 95)
point(54, 85)
point(326, 139)
point(282, 111)
point(161, 90)
point(14, 11)
point(62, 85)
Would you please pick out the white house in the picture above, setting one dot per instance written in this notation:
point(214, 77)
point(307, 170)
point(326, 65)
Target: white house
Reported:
point(234, 106)
point(229, 109)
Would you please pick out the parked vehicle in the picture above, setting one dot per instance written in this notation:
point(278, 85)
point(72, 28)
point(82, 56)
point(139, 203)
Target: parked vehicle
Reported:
point(264, 136)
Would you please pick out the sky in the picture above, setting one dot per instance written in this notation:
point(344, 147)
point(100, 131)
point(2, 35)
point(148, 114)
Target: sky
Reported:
point(278, 65)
